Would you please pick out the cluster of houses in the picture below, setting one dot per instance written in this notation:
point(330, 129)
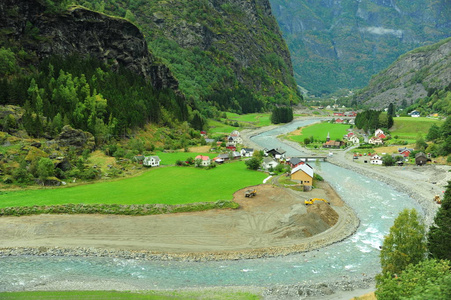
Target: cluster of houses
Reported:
point(399, 158)
point(378, 138)
point(301, 171)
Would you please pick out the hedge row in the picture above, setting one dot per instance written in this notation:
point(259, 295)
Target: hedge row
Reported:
point(116, 209)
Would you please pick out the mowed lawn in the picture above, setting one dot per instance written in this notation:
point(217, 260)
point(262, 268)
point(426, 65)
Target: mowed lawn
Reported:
point(148, 295)
point(256, 119)
point(163, 185)
point(319, 131)
point(409, 128)
point(170, 158)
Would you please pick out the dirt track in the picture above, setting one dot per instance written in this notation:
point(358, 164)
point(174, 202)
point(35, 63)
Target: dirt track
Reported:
point(274, 222)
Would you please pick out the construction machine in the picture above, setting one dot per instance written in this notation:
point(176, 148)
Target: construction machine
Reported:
point(312, 200)
point(437, 199)
point(250, 193)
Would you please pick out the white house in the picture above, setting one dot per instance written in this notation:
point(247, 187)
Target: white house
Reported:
point(375, 141)
point(247, 152)
point(354, 139)
point(376, 160)
point(151, 161)
point(378, 132)
point(205, 160)
point(269, 163)
point(277, 153)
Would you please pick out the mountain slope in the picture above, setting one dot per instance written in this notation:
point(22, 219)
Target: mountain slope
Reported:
point(216, 48)
point(416, 74)
point(341, 44)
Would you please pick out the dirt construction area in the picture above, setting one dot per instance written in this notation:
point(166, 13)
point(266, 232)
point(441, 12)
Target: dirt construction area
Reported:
point(276, 221)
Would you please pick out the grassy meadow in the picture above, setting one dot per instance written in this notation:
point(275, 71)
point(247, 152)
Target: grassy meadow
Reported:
point(148, 295)
point(162, 185)
point(170, 158)
point(408, 128)
point(319, 132)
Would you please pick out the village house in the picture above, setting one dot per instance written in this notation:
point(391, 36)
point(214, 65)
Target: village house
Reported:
point(339, 121)
point(151, 161)
point(338, 114)
point(205, 161)
point(304, 175)
point(380, 134)
point(354, 139)
point(295, 161)
point(420, 159)
point(235, 155)
point(405, 152)
point(376, 160)
point(221, 158)
point(415, 114)
point(351, 114)
point(247, 152)
point(375, 141)
point(269, 163)
point(277, 153)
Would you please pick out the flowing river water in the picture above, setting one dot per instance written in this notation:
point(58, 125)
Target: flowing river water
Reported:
point(355, 258)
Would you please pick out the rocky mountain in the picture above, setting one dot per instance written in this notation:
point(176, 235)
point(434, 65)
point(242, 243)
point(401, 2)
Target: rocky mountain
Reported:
point(229, 53)
point(416, 74)
point(341, 44)
point(28, 24)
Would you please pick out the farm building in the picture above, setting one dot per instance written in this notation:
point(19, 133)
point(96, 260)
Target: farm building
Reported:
point(205, 161)
point(420, 159)
point(269, 163)
point(304, 175)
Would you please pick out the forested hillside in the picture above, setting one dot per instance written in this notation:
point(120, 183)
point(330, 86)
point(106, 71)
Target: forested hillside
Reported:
point(341, 44)
point(227, 53)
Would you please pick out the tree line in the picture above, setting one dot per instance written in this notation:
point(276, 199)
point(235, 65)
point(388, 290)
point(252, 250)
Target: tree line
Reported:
point(283, 114)
point(88, 95)
point(370, 120)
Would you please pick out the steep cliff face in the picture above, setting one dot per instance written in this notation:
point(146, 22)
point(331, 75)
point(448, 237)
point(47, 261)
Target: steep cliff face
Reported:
point(411, 77)
point(214, 46)
point(341, 44)
point(112, 40)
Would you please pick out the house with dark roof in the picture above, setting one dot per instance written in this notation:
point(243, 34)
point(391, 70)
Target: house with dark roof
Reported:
point(277, 153)
point(420, 159)
point(247, 152)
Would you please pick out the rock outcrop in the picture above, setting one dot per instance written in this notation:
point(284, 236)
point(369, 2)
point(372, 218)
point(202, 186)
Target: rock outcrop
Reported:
point(112, 40)
point(411, 77)
point(79, 139)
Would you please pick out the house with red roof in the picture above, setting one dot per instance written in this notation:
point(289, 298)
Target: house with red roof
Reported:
point(204, 160)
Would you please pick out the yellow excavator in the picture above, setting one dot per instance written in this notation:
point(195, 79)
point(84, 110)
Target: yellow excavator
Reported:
point(312, 200)
point(437, 199)
point(250, 193)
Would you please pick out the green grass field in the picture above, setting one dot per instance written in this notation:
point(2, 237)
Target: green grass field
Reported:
point(319, 132)
point(171, 158)
point(408, 128)
point(256, 119)
point(149, 295)
point(164, 185)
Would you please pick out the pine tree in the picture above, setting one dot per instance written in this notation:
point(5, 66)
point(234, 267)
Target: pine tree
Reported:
point(439, 235)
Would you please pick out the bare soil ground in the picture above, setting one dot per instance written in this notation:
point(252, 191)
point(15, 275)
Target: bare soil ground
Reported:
point(275, 219)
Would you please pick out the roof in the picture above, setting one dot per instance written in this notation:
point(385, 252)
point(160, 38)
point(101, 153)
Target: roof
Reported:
point(203, 157)
point(268, 160)
point(419, 154)
point(277, 150)
point(248, 149)
point(304, 168)
point(223, 155)
point(295, 160)
point(156, 158)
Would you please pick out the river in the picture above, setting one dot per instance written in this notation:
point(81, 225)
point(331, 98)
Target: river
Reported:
point(353, 259)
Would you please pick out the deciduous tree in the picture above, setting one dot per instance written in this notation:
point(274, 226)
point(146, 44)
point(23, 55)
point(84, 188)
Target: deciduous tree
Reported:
point(405, 244)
